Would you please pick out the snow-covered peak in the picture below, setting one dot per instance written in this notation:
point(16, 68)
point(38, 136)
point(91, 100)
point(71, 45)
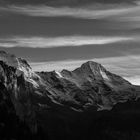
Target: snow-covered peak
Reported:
point(24, 67)
point(91, 66)
point(20, 64)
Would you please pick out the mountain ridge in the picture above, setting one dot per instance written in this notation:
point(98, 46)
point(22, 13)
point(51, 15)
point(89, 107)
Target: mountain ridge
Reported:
point(90, 73)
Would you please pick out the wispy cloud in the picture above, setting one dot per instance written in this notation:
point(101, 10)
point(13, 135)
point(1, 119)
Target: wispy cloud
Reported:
point(86, 13)
point(67, 41)
point(125, 66)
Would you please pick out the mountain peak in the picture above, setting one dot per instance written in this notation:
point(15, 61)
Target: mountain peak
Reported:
point(18, 63)
point(91, 64)
point(9, 59)
point(92, 67)
point(24, 62)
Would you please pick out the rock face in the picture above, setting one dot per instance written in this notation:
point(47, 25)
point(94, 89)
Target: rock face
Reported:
point(64, 105)
point(91, 85)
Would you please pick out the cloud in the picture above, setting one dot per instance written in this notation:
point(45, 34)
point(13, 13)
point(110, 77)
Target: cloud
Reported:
point(125, 66)
point(132, 14)
point(64, 41)
point(80, 12)
point(65, 2)
point(128, 14)
point(131, 17)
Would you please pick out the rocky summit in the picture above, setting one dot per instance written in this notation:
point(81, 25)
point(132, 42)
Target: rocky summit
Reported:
point(87, 103)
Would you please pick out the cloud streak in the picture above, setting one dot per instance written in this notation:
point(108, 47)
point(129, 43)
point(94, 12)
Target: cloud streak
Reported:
point(64, 41)
point(86, 13)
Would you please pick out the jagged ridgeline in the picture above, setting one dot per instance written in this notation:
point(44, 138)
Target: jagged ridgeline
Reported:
point(86, 103)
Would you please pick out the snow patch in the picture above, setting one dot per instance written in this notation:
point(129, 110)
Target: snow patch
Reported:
point(59, 74)
point(34, 83)
point(104, 75)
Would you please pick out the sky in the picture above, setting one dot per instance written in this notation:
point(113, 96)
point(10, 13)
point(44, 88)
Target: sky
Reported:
point(63, 34)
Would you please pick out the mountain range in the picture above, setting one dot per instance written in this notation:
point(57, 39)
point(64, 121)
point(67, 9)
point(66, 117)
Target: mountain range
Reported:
point(87, 103)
